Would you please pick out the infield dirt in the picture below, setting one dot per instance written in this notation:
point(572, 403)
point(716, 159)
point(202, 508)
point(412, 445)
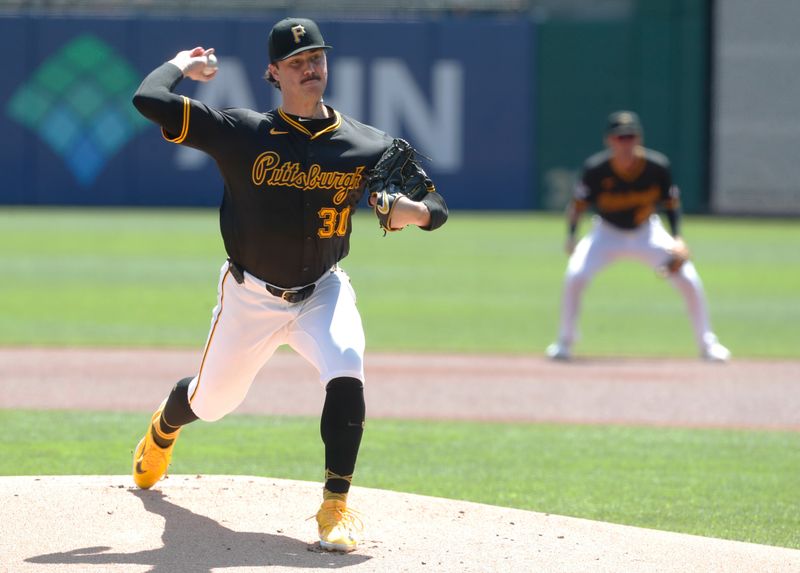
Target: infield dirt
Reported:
point(667, 392)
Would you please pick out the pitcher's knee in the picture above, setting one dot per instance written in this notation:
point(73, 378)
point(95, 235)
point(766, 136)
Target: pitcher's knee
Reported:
point(350, 364)
point(212, 406)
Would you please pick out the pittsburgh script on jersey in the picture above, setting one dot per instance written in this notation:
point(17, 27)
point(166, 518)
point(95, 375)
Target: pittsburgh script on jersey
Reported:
point(637, 198)
point(268, 169)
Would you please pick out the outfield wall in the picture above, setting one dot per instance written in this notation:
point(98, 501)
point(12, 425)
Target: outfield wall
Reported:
point(653, 60)
point(507, 107)
point(72, 136)
point(756, 116)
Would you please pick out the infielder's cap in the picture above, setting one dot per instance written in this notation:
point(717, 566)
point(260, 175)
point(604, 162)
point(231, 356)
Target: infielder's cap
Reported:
point(624, 123)
point(291, 36)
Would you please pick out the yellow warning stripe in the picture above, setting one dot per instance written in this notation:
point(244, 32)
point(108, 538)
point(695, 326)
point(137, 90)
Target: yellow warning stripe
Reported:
point(184, 126)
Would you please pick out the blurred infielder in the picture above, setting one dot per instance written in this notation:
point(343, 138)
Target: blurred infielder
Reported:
point(625, 185)
point(292, 179)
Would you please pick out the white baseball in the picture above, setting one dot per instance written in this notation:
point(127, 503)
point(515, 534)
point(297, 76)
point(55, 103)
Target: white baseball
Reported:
point(211, 65)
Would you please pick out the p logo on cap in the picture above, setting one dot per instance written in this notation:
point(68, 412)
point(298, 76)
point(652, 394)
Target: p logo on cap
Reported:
point(298, 31)
point(291, 36)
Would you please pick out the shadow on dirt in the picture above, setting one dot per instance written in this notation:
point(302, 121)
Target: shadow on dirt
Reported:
point(199, 544)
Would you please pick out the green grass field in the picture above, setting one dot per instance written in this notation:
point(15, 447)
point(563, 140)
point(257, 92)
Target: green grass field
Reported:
point(728, 484)
point(483, 283)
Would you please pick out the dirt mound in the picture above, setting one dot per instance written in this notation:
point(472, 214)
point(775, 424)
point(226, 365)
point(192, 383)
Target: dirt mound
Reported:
point(201, 524)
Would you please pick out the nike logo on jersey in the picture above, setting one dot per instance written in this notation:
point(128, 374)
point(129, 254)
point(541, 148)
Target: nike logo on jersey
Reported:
point(274, 131)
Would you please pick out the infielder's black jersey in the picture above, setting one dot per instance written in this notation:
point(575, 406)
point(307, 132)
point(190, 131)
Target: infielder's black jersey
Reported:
point(627, 198)
point(291, 186)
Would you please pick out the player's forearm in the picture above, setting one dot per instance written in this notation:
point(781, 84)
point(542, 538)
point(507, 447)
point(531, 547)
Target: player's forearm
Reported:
point(429, 213)
point(574, 211)
point(155, 100)
point(407, 212)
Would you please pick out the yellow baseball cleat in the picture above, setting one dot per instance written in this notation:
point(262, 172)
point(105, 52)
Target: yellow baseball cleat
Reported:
point(339, 528)
point(150, 461)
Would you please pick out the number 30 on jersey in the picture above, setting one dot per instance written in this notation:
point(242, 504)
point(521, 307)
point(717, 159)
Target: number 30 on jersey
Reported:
point(333, 222)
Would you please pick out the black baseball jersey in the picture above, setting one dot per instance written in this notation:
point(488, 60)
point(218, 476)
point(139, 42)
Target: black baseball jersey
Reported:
point(290, 186)
point(626, 199)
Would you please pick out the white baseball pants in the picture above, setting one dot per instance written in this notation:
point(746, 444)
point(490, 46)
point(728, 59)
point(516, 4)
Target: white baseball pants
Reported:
point(650, 243)
point(248, 324)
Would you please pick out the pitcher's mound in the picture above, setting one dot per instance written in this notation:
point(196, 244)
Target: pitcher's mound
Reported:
point(226, 523)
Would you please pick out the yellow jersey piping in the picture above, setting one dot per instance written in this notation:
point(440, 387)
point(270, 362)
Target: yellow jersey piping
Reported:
point(302, 129)
point(184, 126)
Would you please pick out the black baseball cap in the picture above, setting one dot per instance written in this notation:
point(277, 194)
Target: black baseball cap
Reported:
point(624, 123)
point(291, 36)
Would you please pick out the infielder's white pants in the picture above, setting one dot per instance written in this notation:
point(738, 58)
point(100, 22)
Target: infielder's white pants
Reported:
point(650, 243)
point(249, 324)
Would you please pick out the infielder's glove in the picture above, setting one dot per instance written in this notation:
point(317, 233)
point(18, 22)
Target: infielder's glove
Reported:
point(397, 173)
point(678, 255)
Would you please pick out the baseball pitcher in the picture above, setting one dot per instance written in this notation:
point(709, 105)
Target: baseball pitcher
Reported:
point(293, 177)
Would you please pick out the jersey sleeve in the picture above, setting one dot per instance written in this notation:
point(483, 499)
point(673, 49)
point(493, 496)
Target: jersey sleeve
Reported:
point(670, 193)
point(182, 119)
point(154, 98)
point(588, 186)
point(581, 193)
point(670, 202)
point(199, 125)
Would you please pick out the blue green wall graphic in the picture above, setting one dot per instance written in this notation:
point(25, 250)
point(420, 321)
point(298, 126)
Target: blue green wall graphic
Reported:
point(78, 101)
point(72, 137)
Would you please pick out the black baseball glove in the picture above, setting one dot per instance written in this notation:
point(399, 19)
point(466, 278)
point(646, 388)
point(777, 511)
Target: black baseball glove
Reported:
point(397, 173)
